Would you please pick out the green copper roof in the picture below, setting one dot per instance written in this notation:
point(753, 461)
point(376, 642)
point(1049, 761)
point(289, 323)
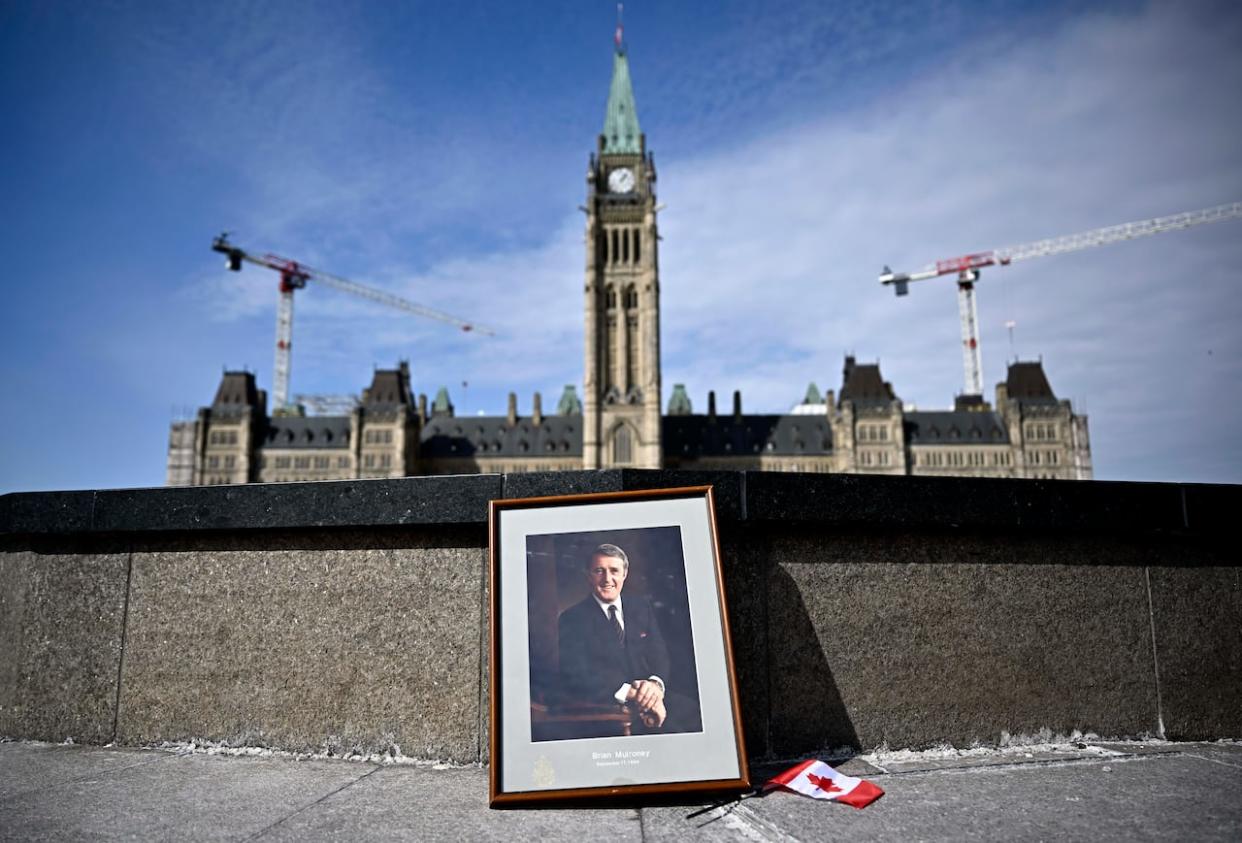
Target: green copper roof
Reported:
point(812, 395)
point(442, 405)
point(569, 404)
point(679, 402)
point(621, 132)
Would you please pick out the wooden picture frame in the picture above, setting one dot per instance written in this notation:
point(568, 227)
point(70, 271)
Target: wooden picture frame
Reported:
point(559, 730)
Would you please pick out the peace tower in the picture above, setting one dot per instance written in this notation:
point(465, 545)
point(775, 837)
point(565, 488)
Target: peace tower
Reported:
point(621, 407)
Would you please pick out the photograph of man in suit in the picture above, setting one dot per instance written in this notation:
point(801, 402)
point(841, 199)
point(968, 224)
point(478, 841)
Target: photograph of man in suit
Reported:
point(613, 651)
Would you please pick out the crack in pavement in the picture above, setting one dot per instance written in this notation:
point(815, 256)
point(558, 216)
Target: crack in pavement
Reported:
point(308, 806)
point(85, 777)
point(1028, 764)
point(738, 818)
point(1213, 760)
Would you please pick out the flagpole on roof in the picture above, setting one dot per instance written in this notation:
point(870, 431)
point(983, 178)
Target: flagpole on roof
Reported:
point(619, 36)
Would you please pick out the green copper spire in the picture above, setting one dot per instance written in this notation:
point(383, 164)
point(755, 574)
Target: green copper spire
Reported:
point(569, 404)
point(679, 402)
point(442, 406)
point(621, 132)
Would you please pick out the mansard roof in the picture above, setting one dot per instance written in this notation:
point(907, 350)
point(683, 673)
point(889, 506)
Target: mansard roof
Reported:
point(493, 436)
point(389, 389)
point(862, 383)
point(306, 432)
point(1026, 381)
point(723, 436)
point(237, 390)
point(955, 427)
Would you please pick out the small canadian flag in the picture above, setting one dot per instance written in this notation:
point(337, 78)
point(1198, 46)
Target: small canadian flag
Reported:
point(819, 781)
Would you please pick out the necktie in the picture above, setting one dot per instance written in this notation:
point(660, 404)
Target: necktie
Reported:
point(616, 624)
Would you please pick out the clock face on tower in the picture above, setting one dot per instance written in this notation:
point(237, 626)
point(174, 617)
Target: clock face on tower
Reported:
point(621, 180)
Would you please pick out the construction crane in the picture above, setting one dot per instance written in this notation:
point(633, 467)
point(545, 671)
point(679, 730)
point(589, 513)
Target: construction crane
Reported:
point(294, 276)
point(967, 268)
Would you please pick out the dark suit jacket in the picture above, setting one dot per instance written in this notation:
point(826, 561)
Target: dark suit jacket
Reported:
point(594, 664)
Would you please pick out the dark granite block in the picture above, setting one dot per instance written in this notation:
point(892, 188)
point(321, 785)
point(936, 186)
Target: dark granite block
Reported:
point(548, 484)
point(764, 497)
point(309, 642)
point(25, 513)
point(1099, 506)
point(61, 619)
point(956, 502)
point(726, 485)
point(880, 501)
point(913, 641)
point(1212, 509)
point(347, 503)
point(1197, 615)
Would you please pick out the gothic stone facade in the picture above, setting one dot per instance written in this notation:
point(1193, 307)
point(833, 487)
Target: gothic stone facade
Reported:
point(863, 428)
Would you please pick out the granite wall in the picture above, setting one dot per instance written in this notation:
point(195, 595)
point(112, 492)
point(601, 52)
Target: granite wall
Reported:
point(352, 616)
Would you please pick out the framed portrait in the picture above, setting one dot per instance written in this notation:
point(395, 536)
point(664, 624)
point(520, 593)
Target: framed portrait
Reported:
point(611, 666)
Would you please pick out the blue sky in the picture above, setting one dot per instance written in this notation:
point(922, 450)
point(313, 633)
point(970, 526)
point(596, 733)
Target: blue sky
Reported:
point(438, 150)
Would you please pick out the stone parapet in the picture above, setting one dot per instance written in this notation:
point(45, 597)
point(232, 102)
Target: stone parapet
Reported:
point(866, 610)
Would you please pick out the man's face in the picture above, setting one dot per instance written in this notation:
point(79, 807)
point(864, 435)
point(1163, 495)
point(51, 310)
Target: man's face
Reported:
point(607, 576)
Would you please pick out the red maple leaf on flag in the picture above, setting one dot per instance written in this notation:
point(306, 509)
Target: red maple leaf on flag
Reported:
point(823, 783)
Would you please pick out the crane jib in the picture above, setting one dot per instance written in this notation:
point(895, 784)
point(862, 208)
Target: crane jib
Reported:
point(965, 262)
point(294, 276)
point(965, 265)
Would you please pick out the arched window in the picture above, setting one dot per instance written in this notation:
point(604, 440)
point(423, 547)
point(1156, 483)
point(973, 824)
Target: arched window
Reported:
point(622, 448)
point(638, 249)
point(631, 297)
point(625, 246)
point(616, 247)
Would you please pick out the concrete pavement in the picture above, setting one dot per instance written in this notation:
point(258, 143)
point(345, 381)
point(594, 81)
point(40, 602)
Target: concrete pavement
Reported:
point(1077, 791)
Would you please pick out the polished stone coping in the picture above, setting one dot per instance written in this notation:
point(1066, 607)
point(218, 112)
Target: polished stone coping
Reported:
point(756, 497)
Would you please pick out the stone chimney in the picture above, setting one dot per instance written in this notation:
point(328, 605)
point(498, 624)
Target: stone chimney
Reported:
point(512, 409)
point(536, 412)
point(737, 406)
point(711, 406)
point(422, 408)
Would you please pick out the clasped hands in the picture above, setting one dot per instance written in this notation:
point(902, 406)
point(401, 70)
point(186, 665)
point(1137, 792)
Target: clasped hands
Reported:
point(648, 697)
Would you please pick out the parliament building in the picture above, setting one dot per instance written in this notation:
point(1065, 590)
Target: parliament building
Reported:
point(619, 420)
